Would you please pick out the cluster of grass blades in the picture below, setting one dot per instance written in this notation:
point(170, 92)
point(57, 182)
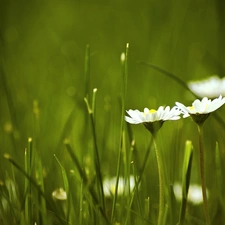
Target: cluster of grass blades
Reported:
point(81, 199)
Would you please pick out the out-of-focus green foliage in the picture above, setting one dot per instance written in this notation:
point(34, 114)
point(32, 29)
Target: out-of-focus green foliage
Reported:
point(42, 86)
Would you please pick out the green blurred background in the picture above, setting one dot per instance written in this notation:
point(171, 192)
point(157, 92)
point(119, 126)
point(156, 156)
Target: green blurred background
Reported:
point(42, 68)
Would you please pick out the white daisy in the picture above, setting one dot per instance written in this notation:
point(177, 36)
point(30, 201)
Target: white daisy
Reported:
point(210, 87)
point(153, 119)
point(124, 185)
point(194, 193)
point(162, 114)
point(205, 106)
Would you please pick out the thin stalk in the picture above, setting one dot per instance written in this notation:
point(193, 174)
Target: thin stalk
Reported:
point(43, 213)
point(81, 203)
point(66, 186)
point(124, 74)
point(28, 203)
point(187, 163)
point(96, 150)
point(202, 173)
point(117, 183)
point(139, 178)
point(64, 175)
point(161, 181)
point(147, 209)
point(87, 70)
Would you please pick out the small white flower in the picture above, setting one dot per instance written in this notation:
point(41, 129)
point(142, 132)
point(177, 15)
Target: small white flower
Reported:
point(124, 185)
point(194, 193)
point(162, 114)
point(59, 194)
point(152, 119)
point(205, 106)
point(210, 87)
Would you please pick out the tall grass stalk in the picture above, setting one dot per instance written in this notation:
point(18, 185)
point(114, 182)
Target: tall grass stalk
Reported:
point(187, 163)
point(124, 75)
point(66, 186)
point(42, 202)
point(147, 208)
point(28, 194)
point(91, 112)
point(87, 71)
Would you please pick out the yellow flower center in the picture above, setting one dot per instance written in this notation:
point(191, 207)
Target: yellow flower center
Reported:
point(152, 111)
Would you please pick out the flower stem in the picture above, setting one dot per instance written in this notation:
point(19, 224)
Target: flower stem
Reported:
point(202, 173)
point(161, 181)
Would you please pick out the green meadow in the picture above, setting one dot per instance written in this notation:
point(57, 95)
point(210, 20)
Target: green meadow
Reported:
point(69, 70)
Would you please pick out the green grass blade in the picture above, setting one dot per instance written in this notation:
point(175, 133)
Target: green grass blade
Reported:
point(124, 75)
point(37, 186)
point(40, 180)
point(186, 179)
point(139, 178)
point(81, 172)
point(64, 175)
point(87, 71)
point(116, 186)
point(96, 150)
point(97, 207)
point(8, 93)
point(147, 208)
point(28, 194)
point(170, 75)
point(66, 186)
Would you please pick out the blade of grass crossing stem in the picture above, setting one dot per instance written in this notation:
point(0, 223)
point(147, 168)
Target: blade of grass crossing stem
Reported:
point(186, 179)
point(96, 151)
point(170, 75)
point(28, 194)
point(76, 162)
point(181, 83)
